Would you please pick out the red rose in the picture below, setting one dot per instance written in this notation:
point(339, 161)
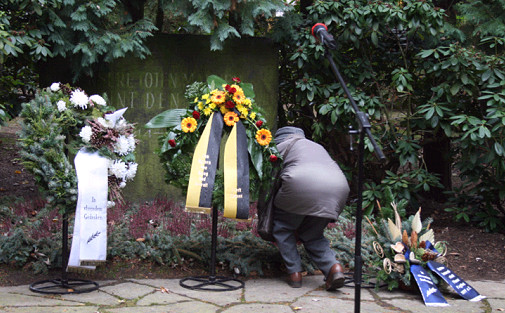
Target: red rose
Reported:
point(273, 158)
point(229, 104)
point(171, 142)
point(236, 79)
point(196, 115)
point(227, 88)
point(232, 90)
point(259, 123)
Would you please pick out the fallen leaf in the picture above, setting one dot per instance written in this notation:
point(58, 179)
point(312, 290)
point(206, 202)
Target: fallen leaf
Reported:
point(70, 290)
point(500, 309)
point(121, 301)
point(140, 239)
point(17, 172)
point(163, 290)
point(297, 308)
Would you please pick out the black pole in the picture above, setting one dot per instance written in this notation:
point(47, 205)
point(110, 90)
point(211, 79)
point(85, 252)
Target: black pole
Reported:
point(64, 249)
point(64, 285)
point(212, 272)
point(364, 128)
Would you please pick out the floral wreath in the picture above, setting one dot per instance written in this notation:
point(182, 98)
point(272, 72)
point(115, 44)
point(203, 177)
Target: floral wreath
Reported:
point(60, 121)
point(400, 244)
point(235, 102)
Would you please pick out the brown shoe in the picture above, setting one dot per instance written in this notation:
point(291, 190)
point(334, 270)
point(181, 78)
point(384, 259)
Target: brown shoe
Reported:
point(335, 278)
point(295, 280)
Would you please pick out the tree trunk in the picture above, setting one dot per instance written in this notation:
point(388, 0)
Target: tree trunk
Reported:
point(436, 154)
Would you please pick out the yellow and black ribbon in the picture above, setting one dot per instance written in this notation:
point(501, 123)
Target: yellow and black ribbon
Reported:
point(235, 167)
point(236, 174)
point(203, 166)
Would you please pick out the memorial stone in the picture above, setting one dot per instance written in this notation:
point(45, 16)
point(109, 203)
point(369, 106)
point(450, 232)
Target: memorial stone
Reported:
point(157, 83)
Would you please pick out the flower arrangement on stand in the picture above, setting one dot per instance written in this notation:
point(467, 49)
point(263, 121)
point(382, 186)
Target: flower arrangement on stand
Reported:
point(60, 121)
point(400, 244)
point(234, 101)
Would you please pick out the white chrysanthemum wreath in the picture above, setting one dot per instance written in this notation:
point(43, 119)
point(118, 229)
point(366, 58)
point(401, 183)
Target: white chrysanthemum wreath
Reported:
point(59, 122)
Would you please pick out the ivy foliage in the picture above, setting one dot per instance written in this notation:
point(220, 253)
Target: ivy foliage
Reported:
point(418, 83)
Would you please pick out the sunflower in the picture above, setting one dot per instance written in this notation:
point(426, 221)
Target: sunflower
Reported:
point(263, 137)
point(231, 118)
point(218, 97)
point(188, 124)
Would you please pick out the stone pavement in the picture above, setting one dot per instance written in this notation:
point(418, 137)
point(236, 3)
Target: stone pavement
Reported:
point(258, 295)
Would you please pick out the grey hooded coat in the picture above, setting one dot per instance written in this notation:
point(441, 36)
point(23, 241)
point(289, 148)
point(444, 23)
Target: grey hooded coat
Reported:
point(312, 183)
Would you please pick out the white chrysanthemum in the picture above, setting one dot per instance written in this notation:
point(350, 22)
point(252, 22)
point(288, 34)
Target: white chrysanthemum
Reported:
point(121, 123)
point(62, 105)
point(86, 133)
point(132, 170)
point(118, 169)
point(98, 100)
point(110, 204)
point(79, 99)
point(122, 145)
point(131, 142)
point(122, 184)
point(55, 87)
point(105, 123)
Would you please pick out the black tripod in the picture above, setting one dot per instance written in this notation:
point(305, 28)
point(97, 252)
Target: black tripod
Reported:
point(212, 282)
point(64, 285)
point(364, 129)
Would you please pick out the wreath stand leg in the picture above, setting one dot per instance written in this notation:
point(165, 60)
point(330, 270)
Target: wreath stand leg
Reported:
point(212, 282)
point(64, 285)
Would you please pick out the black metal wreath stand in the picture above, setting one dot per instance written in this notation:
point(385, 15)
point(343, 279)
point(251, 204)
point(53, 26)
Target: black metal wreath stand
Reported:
point(64, 285)
point(212, 282)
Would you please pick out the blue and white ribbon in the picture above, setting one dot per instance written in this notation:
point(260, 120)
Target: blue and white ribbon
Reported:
point(431, 295)
point(459, 285)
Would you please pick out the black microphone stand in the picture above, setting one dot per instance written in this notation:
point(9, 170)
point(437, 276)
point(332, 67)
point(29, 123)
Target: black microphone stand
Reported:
point(364, 129)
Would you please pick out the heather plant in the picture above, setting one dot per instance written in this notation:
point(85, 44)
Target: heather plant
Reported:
point(161, 232)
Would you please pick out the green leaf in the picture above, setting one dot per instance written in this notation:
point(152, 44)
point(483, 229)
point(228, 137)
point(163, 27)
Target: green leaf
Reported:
point(215, 81)
point(168, 118)
point(375, 40)
point(256, 156)
point(498, 148)
point(486, 75)
point(455, 89)
point(248, 90)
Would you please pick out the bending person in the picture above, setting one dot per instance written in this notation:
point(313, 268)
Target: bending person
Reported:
point(313, 193)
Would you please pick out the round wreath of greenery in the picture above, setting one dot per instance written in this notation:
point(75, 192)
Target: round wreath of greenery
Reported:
point(234, 101)
point(56, 124)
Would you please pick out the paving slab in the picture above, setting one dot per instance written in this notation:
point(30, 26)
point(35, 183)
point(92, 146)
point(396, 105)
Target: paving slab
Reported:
point(277, 290)
point(159, 298)
point(460, 306)
point(221, 298)
point(14, 300)
point(128, 290)
point(259, 307)
point(185, 307)
point(38, 309)
point(96, 297)
point(497, 305)
point(490, 289)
